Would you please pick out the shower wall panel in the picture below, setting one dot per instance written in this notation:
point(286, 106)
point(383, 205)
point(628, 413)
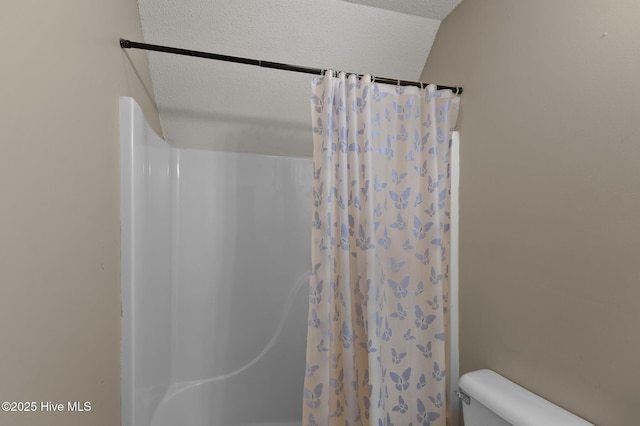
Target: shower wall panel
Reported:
point(146, 266)
point(215, 273)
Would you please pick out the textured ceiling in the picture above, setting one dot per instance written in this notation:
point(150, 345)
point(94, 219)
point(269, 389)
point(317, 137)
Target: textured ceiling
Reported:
point(233, 107)
point(434, 9)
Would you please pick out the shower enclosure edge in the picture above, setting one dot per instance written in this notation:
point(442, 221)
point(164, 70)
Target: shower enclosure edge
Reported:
point(140, 147)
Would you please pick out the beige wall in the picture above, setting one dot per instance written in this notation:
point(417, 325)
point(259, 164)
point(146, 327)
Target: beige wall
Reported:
point(550, 196)
point(61, 74)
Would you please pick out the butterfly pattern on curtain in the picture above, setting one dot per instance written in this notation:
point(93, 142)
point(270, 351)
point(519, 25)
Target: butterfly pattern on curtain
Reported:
point(376, 345)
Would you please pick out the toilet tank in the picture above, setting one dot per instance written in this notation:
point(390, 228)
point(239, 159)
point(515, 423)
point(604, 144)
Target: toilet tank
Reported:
point(492, 400)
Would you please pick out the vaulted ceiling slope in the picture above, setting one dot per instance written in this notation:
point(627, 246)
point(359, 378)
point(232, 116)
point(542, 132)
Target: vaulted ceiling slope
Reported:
point(434, 9)
point(233, 107)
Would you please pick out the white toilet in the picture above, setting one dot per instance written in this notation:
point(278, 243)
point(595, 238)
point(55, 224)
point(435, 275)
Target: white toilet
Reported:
point(492, 400)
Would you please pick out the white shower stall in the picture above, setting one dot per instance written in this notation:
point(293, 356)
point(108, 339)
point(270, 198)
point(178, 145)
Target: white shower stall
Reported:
point(215, 267)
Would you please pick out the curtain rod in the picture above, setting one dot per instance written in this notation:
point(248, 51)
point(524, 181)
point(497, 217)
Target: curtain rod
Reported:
point(128, 44)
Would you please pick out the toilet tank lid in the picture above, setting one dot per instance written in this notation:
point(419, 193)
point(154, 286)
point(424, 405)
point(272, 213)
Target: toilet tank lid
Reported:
point(514, 403)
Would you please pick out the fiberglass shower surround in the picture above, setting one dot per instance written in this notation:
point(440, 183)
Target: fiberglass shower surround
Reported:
point(215, 266)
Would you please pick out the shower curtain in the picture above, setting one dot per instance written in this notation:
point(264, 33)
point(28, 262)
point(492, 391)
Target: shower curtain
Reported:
point(376, 345)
